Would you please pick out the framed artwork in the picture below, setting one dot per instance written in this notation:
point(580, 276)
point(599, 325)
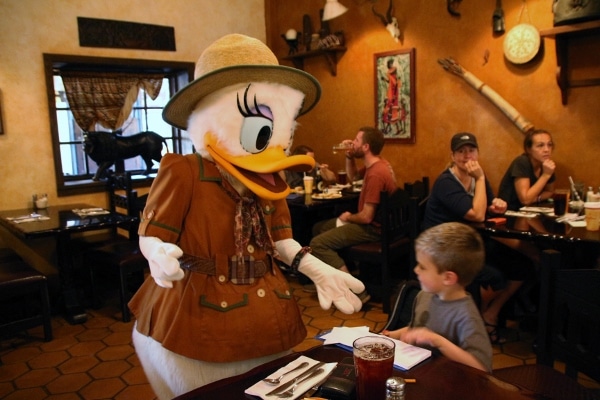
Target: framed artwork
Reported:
point(395, 95)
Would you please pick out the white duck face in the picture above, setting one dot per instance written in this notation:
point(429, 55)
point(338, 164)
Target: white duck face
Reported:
point(247, 129)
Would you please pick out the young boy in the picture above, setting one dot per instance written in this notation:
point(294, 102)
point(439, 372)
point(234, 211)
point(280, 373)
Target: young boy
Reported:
point(445, 317)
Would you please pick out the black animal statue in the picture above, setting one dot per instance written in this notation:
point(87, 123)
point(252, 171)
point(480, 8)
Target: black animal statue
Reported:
point(105, 148)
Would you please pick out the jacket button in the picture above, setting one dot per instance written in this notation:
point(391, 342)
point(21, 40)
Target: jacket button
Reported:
point(261, 292)
point(222, 278)
point(250, 249)
point(223, 304)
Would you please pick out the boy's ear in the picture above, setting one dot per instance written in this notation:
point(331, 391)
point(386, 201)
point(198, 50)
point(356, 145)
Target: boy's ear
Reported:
point(450, 278)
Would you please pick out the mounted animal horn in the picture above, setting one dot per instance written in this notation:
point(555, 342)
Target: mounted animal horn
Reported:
point(390, 22)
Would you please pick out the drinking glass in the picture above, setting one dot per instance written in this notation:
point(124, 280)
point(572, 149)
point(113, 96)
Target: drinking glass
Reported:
point(374, 364)
point(561, 201)
point(341, 147)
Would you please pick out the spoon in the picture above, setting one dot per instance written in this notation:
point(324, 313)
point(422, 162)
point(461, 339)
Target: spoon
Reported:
point(275, 381)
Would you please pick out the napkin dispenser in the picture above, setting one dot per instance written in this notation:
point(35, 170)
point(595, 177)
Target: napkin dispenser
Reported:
point(340, 385)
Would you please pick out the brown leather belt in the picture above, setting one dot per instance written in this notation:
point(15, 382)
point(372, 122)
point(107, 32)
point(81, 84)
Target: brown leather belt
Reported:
point(238, 274)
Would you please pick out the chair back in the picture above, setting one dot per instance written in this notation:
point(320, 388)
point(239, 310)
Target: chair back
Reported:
point(418, 189)
point(569, 317)
point(123, 199)
point(394, 217)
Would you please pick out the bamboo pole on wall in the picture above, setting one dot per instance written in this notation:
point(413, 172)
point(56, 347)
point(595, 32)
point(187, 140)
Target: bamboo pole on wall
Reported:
point(515, 116)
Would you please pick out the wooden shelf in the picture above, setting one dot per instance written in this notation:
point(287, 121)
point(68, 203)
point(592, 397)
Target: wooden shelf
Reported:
point(330, 54)
point(563, 34)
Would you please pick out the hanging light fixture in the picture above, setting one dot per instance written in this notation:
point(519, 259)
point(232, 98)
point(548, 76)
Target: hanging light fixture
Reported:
point(333, 9)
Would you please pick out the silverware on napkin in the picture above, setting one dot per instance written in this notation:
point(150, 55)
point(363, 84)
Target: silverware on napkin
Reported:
point(283, 387)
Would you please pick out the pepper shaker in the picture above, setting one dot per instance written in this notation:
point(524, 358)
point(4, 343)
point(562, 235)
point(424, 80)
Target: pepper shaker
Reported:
point(394, 388)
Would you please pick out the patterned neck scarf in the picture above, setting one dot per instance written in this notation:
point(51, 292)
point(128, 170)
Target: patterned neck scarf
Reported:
point(249, 223)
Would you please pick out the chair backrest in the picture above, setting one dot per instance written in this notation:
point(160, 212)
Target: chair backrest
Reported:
point(394, 216)
point(122, 198)
point(418, 189)
point(569, 317)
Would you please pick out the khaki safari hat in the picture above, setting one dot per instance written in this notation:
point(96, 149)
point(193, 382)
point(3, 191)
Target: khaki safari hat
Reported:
point(235, 59)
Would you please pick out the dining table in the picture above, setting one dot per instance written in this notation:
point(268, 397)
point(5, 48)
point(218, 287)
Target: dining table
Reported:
point(45, 236)
point(308, 209)
point(580, 247)
point(435, 378)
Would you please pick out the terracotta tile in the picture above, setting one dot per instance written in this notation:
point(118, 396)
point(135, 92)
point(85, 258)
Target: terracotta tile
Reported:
point(135, 376)
point(51, 359)
point(58, 343)
point(64, 396)
point(326, 322)
point(68, 383)
point(29, 394)
point(110, 369)
point(22, 354)
point(102, 389)
point(93, 334)
point(78, 364)
point(5, 389)
point(137, 392)
point(36, 378)
point(85, 348)
point(122, 337)
point(115, 352)
point(99, 322)
point(9, 372)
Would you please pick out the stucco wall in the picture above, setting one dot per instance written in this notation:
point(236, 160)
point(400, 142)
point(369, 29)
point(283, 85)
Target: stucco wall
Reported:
point(446, 104)
point(29, 28)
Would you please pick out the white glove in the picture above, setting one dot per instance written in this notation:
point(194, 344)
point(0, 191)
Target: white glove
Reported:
point(333, 286)
point(162, 257)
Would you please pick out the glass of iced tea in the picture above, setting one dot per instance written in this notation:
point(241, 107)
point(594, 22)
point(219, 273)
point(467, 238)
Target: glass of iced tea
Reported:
point(374, 363)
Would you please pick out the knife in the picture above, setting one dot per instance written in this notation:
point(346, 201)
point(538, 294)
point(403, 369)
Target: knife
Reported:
point(285, 386)
point(313, 390)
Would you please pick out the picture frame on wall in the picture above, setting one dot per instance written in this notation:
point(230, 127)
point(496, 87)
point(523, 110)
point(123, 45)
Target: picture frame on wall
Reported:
point(395, 93)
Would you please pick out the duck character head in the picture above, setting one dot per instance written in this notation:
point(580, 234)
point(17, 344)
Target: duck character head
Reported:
point(240, 112)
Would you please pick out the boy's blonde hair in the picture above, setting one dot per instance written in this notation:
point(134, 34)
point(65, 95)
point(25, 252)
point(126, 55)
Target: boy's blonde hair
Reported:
point(455, 247)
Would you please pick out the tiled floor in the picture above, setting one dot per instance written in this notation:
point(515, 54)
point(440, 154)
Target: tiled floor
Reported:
point(96, 360)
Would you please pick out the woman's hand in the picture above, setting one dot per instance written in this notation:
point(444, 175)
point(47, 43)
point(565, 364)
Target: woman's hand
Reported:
point(474, 169)
point(498, 206)
point(548, 167)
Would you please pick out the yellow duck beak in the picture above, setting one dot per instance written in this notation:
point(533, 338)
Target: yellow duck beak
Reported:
point(260, 172)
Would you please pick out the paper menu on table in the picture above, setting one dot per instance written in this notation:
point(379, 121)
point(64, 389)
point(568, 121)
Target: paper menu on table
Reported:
point(406, 356)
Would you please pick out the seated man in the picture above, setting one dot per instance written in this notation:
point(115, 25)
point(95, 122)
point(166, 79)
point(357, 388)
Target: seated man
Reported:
point(350, 229)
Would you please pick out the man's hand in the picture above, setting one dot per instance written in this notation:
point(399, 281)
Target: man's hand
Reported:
point(162, 258)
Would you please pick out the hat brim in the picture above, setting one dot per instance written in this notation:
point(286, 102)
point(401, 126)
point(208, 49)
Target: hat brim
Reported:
point(182, 104)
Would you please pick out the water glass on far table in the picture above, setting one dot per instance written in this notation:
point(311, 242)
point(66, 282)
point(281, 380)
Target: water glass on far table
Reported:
point(374, 364)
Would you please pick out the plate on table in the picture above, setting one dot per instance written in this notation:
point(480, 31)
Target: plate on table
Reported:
point(326, 196)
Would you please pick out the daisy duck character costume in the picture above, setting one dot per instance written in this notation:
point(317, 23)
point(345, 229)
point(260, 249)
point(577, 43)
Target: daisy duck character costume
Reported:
point(214, 222)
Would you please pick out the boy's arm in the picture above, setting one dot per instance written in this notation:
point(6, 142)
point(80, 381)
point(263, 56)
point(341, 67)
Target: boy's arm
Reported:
point(424, 336)
point(395, 334)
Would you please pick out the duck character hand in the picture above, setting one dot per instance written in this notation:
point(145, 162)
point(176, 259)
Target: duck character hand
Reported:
point(163, 260)
point(333, 286)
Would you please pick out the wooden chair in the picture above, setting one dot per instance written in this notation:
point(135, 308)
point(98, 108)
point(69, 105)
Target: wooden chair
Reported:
point(122, 253)
point(418, 189)
point(18, 282)
point(394, 244)
point(568, 331)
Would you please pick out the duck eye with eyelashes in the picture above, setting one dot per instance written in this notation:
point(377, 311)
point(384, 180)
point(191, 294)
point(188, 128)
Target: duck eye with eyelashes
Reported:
point(257, 128)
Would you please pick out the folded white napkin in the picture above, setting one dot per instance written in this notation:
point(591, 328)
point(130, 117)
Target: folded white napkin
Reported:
point(261, 388)
point(86, 212)
point(28, 218)
point(339, 222)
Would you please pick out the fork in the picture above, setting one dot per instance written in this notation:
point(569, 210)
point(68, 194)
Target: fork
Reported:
point(290, 392)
